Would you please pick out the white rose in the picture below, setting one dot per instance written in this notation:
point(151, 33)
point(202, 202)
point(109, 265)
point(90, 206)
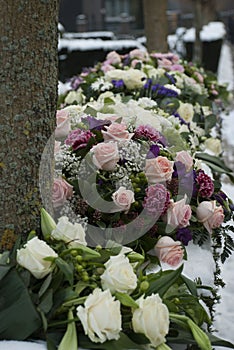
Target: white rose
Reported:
point(213, 146)
point(186, 111)
point(100, 316)
point(119, 275)
point(70, 233)
point(151, 319)
point(32, 255)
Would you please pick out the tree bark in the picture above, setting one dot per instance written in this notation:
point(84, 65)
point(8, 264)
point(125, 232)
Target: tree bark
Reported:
point(156, 25)
point(28, 97)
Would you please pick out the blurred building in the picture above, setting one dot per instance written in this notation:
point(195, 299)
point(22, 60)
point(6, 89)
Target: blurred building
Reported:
point(125, 17)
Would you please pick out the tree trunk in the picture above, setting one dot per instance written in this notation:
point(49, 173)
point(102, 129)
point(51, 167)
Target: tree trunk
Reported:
point(28, 97)
point(156, 25)
point(197, 51)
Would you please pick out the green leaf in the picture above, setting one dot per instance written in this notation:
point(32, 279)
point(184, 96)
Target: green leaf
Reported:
point(161, 284)
point(123, 343)
point(47, 301)
point(126, 300)
point(66, 269)
point(45, 285)
point(69, 340)
point(18, 315)
point(4, 269)
point(190, 284)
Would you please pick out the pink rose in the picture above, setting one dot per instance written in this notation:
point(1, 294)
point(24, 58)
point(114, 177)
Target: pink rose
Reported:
point(210, 215)
point(178, 213)
point(185, 158)
point(105, 155)
point(139, 54)
point(158, 169)
point(123, 199)
point(169, 251)
point(113, 58)
point(63, 124)
point(116, 132)
point(61, 192)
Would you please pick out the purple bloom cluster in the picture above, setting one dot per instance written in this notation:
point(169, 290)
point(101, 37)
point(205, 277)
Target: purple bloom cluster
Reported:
point(118, 84)
point(148, 132)
point(205, 184)
point(78, 138)
point(184, 235)
point(75, 82)
point(157, 200)
point(160, 90)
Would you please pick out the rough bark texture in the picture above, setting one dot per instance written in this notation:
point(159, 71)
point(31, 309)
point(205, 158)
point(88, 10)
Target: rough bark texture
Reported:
point(197, 52)
point(156, 25)
point(28, 97)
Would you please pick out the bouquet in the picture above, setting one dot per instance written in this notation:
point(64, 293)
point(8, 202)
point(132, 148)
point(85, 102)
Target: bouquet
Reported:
point(58, 289)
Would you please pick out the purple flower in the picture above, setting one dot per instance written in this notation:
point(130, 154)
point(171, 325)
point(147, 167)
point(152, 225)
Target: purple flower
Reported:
point(170, 77)
point(75, 82)
point(118, 84)
point(153, 152)
point(205, 184)
point(182, 121)
point(184, 235)
point(156, 200)
point(78, 138)
point(148, 132)
point(94, 123)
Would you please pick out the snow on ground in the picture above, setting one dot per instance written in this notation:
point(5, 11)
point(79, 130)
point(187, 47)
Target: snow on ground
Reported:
point(224, 310)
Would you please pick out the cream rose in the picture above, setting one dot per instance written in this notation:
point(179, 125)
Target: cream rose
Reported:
point(210, 215)
point(63, 124)
point(117, 132)
point(32, 255)
point(185, 158)
point(62, 191)
point(119, 275)
point(213, 146)
point(105, 155)
point(158, 169)
point(100, 316)
point(151, 319)
point(74, 96)
point(70, 233)
point(133, 78)
point(123, 199)
point(186, 111)
point(169, 251)
point(178, 213)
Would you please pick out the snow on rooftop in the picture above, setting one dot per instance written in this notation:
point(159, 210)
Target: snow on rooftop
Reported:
point(98, 44)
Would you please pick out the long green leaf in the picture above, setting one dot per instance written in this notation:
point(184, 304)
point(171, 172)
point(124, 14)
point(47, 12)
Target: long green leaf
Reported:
point(18, 317)
point(164, 282)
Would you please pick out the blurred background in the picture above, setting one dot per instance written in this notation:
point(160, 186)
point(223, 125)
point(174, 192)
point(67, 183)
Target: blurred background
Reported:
point(90, 29)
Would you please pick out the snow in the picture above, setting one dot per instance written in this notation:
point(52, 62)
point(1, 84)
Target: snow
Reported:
point(98, 44)
point(210, 32)
point(197, 264)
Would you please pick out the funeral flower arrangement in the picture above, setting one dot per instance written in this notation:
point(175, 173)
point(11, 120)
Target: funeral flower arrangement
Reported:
point(58, 289)
point(138, 162)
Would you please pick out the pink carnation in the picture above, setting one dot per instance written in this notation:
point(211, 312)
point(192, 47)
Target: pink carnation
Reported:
point(157, 199)
point(148, 132)
point(78, 138)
